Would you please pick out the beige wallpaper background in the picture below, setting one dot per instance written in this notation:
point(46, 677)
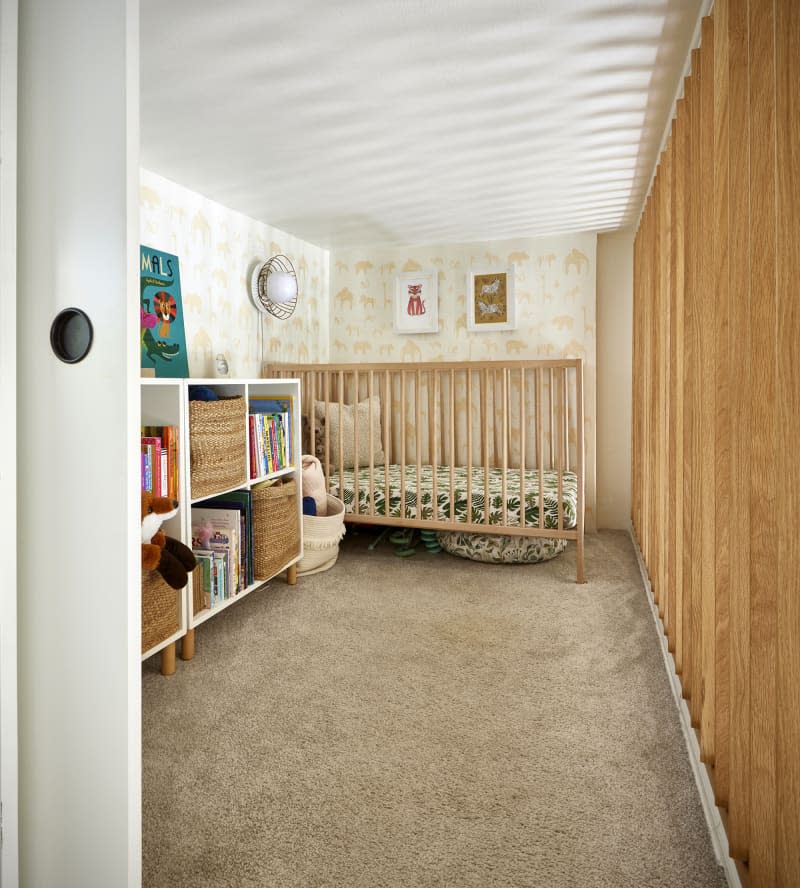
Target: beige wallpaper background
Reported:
point(555, 290)
point(217, 250)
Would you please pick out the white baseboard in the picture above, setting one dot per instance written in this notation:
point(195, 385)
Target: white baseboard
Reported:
point(719, 838)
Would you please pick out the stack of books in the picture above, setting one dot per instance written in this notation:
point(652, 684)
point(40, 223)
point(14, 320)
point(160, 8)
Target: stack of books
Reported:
point(222, 542)
point(271, 428)
point(160, 460)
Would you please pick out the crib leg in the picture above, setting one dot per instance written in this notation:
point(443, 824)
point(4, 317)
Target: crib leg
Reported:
point(581, 578)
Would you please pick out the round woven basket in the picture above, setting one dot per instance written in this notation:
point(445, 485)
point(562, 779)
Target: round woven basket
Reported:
point(321, 537)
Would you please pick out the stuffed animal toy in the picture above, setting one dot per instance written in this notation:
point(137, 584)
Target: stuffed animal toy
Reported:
point(170, 557)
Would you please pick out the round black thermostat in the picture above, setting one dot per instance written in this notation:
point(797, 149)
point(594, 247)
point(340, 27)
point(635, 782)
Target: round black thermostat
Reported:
point(71, 335)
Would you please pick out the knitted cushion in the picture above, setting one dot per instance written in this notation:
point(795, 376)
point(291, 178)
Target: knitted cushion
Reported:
point(365, 412)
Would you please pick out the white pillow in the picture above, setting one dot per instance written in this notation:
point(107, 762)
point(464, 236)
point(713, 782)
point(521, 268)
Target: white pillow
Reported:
point(366, 411)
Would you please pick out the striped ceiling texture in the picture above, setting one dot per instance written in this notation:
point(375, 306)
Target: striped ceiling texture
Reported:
point(349, 123)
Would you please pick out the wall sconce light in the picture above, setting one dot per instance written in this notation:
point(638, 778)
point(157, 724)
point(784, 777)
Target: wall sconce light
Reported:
point(273, 287)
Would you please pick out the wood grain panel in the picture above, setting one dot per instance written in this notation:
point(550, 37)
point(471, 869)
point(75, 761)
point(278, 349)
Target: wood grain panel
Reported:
point(763, 517)
point(636, 397)
point(689, 355)
point(664, 354)
point(787, 116)
point(675, 540)
point(722, 430)
point(692, 415)
point(738, 823)
point(707, 390)
point(656, 399)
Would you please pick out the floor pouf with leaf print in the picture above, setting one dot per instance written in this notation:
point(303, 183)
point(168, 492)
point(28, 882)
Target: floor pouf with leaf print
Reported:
point(499, 549)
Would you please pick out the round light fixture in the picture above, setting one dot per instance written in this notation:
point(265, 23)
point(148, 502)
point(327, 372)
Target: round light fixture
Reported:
point(273, 287)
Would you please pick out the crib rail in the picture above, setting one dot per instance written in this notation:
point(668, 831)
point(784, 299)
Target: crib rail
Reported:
point(511, 416)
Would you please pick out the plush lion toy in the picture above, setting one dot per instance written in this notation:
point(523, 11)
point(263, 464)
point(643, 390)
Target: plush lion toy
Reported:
point(170, 557)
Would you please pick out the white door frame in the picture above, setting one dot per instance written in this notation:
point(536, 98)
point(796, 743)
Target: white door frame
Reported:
point(9, 778)
point(79, 603)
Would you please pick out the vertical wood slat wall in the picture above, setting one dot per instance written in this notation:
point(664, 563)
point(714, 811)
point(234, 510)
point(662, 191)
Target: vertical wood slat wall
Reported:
point(716, 400)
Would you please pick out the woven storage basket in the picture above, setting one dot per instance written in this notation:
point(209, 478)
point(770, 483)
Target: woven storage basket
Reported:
point(217, 445)
point(276, 529)
point(160, 614)
point(321, 537)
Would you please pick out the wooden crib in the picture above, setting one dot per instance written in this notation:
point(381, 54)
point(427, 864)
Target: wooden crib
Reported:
point(451, 446)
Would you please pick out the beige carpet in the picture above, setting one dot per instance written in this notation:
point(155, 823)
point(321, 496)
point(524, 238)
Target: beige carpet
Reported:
point(427, 721)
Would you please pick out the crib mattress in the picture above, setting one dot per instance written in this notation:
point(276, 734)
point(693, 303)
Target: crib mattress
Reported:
point(346, 491)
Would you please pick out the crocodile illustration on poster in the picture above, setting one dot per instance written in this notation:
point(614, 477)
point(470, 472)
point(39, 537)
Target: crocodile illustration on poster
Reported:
point(162, 335)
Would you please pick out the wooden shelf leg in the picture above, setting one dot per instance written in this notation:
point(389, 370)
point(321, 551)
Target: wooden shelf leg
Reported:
point(187, 645)
point(291, 574)
point(168, 660)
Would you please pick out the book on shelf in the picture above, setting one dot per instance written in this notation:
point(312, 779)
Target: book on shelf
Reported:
point(242, 501)
point(271, 427)
point(220, 531)
point(151, 451)
point(159, 447)
point(205, 559)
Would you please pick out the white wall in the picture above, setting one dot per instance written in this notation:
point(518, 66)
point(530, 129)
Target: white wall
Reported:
point(8, 450)
point(614, 353)
point(79, 556)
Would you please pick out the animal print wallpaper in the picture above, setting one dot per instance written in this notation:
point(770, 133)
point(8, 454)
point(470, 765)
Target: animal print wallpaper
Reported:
point(217, 249)
point(554, 287)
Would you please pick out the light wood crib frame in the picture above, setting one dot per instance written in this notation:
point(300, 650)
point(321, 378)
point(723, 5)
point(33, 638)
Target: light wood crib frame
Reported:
point(518, 423)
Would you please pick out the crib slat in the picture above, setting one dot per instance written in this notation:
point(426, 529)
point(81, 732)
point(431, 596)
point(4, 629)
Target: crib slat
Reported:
point(452, 443)
point(552, 419)
point(469, 443)
point(402, 443)
point(327, 429)
point(566, 419)
point(434, 452)
point(560, 449)
point(311, 395)
point(356, 424)
point(387, 437)
point(540, 441)
point(341, 436)
point(418, 436)
point(505, 445)
point(484, 423)
point(370, 392)
point(522, 444)
point(579, 471)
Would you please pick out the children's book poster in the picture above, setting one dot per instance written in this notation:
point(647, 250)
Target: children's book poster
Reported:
point(162, 334)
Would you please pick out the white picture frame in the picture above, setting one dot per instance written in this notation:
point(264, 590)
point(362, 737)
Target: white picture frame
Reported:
point(415, 307)
point(491, 305)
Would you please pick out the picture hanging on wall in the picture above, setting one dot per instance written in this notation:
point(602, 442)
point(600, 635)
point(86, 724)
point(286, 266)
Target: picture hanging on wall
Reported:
point(163, 339)
point(490, 299)
point(416, 302)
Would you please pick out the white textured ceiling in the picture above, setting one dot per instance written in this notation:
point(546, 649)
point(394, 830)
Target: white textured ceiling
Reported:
point(351, 122)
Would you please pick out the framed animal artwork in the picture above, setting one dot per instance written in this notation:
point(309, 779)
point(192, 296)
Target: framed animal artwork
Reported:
point(416, 302)
point(490, 299)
